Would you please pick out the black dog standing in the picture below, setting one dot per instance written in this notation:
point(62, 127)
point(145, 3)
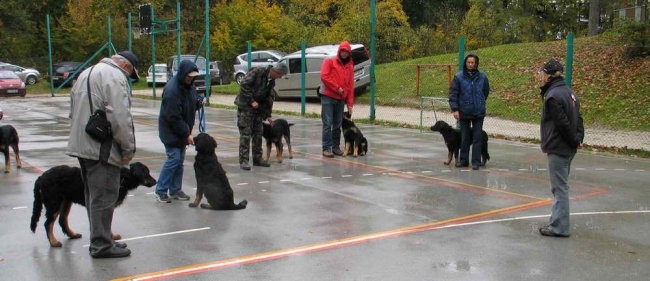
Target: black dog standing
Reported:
point(355, 143)
point(211, 179)
point(273, 133)
point(9, 138)
point(452, 140)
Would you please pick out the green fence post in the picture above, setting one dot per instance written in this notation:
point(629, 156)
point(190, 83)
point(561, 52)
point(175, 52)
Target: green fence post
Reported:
point(569, 59)
point(249, 48)
point(373, 24)
point(461, 52)
point(303, 69)
point(49, 53)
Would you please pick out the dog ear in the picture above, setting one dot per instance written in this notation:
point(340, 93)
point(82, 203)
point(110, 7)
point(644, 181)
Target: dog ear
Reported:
point(214, 142)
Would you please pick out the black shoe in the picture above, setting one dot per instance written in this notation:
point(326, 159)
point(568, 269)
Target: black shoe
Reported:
point(261, 163)
point(328, 153)
point(245, 166)
point(112, 252)
point(460, 165)
point(120, 244)
point(337, 151)
point(546, 231)
point(474, 167)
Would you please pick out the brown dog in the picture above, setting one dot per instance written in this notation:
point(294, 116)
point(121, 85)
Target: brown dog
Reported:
point(9, 138)
point(273, 133)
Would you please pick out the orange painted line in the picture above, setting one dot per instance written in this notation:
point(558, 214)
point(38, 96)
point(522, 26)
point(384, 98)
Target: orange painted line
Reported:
point(323, 246)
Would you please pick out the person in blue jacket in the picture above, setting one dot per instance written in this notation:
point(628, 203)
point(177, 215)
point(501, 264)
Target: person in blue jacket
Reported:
point(175, 122)
point(467, 95)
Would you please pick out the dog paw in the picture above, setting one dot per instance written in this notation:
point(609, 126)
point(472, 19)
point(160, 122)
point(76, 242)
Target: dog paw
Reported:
point(243, 203)
point(290, 157)
point(206, 206)
point(193, 205)
point(56, 244)
point(446, 163)
point(117, 236)
point(75, 236)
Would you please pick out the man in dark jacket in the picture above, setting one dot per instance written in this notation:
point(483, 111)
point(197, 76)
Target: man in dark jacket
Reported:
point(254, 105)
point(467, 95)
point(562, 132)
point(175, 122)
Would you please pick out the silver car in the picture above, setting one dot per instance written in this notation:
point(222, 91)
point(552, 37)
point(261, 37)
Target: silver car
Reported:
point(29, 75)
point(258, 58)
point(290, 85)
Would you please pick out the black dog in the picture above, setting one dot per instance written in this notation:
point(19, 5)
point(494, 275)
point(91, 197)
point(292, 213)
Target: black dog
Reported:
point(9, 138)
point(355, 143)
point(211, 179)
point(452, 140)
point(273, 133)
point(61, 186)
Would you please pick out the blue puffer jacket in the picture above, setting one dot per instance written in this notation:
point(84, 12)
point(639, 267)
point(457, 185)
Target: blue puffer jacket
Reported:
point(468, 92)
point(178, 108)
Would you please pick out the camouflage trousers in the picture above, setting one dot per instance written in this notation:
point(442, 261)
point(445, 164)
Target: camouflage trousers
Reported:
point(250, 130)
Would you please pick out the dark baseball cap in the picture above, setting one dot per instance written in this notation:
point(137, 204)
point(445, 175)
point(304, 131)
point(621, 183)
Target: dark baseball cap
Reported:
point(552, 66)
point(128, 55)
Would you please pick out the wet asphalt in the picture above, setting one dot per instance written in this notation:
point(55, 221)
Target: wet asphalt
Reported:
point(396, 214)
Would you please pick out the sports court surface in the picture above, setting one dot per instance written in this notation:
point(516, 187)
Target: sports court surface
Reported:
point(396, 214)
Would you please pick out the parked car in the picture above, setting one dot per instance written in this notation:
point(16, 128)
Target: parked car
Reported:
point(11, 84)
point(218, 73)
point(290, 84)
point(161, 74)
point(199, 81)
point(63, 70)
point(258, 58)
point(29, 75)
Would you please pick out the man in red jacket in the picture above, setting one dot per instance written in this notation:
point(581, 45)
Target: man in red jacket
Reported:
point(337, 90)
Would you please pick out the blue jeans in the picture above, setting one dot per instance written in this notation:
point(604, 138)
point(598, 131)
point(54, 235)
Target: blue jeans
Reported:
point(332, 115)
point(558, 171)
point(171, 174)
point(475, 128)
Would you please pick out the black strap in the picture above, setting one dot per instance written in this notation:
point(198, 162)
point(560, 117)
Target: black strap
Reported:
point(90, 99)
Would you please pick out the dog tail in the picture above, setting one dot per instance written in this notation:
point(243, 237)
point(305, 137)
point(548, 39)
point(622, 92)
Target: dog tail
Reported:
point(38, 205)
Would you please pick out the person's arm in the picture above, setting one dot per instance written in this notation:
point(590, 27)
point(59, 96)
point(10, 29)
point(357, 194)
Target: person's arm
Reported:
point(454, 90)
point(486, 87)
point(561, 121)
point(327, 77)
point(118, 112)
point(172, 108)
point(349, 95)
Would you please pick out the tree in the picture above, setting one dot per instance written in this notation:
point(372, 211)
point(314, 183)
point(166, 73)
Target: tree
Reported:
point(594, 17)
point(481, 27)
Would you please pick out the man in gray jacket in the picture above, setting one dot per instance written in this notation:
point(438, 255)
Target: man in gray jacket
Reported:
point(108, 84)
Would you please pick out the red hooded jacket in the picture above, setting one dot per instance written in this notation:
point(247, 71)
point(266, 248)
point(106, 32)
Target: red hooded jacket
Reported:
point(334, 75)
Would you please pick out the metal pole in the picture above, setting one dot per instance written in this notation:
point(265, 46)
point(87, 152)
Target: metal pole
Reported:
point(373, 24)
point(569, 59)
point(49, 53)
point(178, 34)
point(208, 79)
point(130, 33)
point(109, 37)
point(153, 53)
point(303, 69)
point(461, 52)
point(249, 48)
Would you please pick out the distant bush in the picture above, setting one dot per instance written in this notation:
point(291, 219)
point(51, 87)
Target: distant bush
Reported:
point(635, 36)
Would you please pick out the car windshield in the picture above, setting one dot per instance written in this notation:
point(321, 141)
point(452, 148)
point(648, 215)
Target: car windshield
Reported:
point(159, 69)
point(8, 75)
point(65, 68)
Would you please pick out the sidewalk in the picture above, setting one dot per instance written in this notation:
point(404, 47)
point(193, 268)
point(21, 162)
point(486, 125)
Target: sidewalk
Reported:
point(411, 116)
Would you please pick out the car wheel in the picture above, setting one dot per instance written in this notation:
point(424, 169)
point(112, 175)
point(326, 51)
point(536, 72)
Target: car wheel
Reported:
point(239, 78)
point(31, 80)
point(220, 81)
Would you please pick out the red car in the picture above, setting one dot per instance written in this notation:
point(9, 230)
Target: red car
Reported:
point(11, 84)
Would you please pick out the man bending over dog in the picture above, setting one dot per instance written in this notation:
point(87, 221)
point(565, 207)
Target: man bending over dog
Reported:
point(107, 83)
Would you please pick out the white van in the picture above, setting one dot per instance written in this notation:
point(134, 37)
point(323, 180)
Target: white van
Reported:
point(290, 84)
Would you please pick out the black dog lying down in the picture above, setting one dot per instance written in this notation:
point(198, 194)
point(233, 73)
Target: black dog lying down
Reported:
point(355, 143)
point(9, 138)
point(60, 186)
point(211, 179)
point(274, 134)
point(452, 140)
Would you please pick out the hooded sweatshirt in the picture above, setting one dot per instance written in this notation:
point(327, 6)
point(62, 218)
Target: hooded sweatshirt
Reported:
point(178, 108)
point(469, 91)
point(335, 74)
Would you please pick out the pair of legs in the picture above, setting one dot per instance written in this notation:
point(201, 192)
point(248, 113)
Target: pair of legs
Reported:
point(558, 171)
point(332, 116)
point(250, 131)
point(470, 131)
point(171, 174)
point(101, 189)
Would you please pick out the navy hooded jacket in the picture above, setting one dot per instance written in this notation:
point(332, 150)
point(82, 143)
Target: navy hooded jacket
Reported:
point(469, 91)
point(178, 108)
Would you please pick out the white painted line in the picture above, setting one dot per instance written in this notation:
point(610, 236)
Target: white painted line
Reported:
point(424, 172)
point(639, 170)
point(619, 169)
point(242, 183)
point(130, 195)
point(305, 179)
point(504, 170)
point(263, 182)
point(346, 176)
point(285, 180)
point(326, 177)
point(365, 175)
point(542, 169)
point(600, 169)
point(160, 234)
point(18, 208)
point(523, 169)
point(150, 193)
point(409, 172)
point(580, 169)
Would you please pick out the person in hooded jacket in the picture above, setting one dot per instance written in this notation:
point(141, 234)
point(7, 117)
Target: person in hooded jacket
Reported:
point(562, 132)
point(107, 83)
point(175, 122)
point(468, 93)
point(337, 91)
